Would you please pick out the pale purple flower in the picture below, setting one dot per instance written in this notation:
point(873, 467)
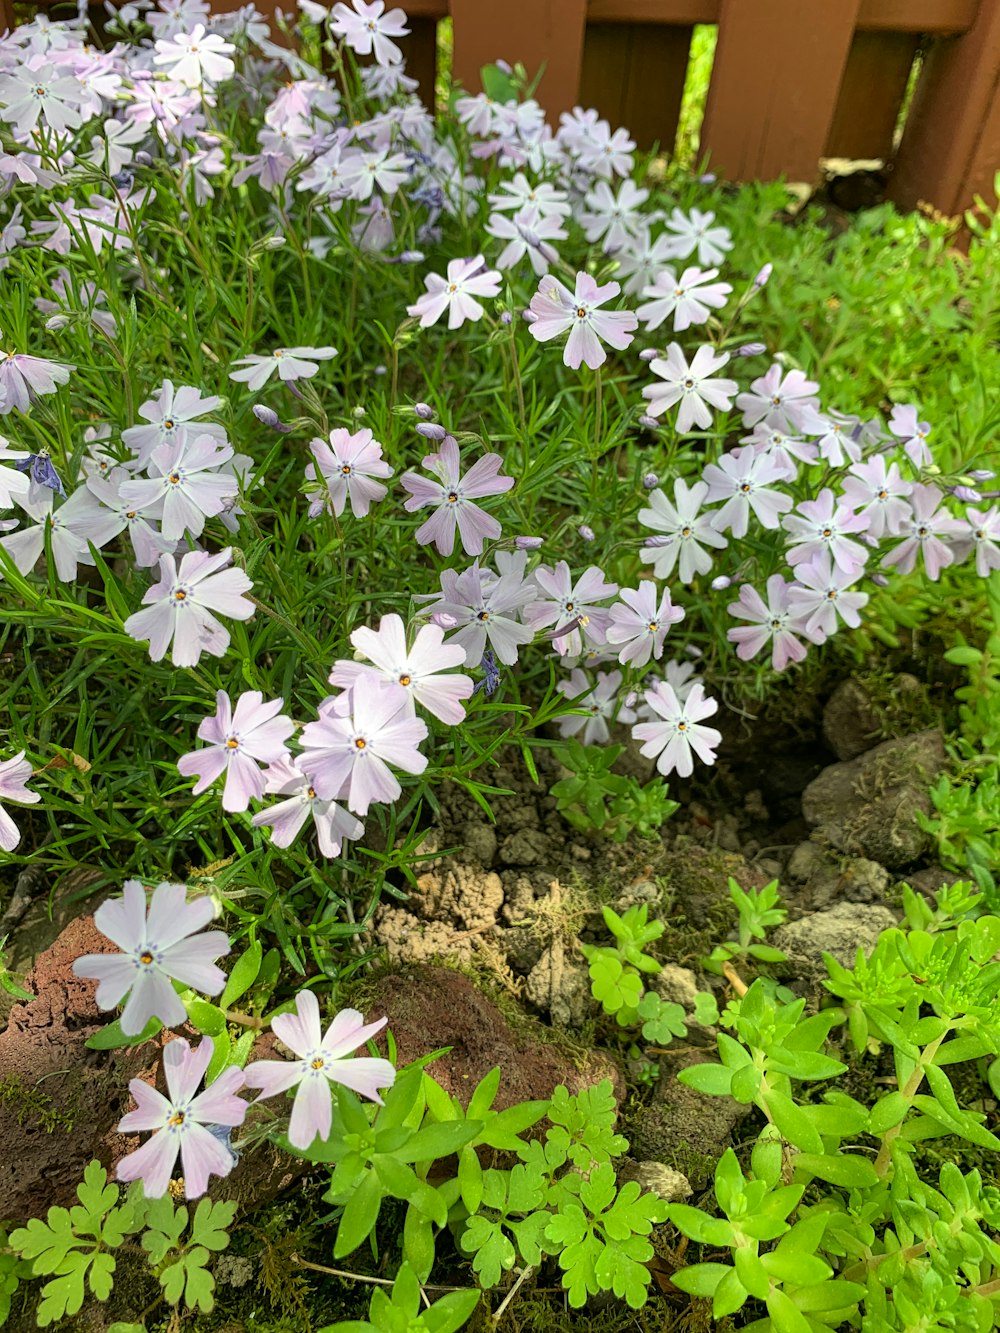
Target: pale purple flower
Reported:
point(777, 622)
point(190, 487)
point(14, 774)
point(613, 219)
point(690, 298)
point(367, 29)
point(821, 594)
point(180, 1122)
point(322, 1060)
point(238, 742)
point(526, 233)
point(820, 525)
point(693, 233)
point(780, 399)
point(679, 733)
point(291, 363)
point(171, 413)
point(984, 529)
point(743, 479)
point(878, 491)
point(452, 496)
point(519, 193)
point(195, 58)
point(572, 607)
point(334, 824)
point(482, 609)
point(605, 154)
point(837, 434)
point(787, 451)
point(694, 386)
point(422, 670)
point(179, 608)
point(597, 704)
point(24, 378)
point(913, 433)
point(557, 310)
point(927, 533)
point(157, 949)
point(640, 622)
point(455, 293)
point(347, 755)
point(26, 546)
point(96, 513)
point(347, 465)
point(684, 532)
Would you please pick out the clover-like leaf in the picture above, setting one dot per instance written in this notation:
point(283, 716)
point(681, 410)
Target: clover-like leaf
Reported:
point(188, 1277)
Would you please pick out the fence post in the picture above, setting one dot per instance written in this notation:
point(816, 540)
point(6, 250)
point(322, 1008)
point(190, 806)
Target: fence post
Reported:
point(950, 148)
point(775, 83)
point(6, 15)
point(634, 74)
point(535, 32)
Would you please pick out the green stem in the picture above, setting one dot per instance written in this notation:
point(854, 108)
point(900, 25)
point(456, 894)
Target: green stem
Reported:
point(913, 1083)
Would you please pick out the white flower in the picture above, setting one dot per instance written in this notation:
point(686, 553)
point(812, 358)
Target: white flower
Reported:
point(367, 28)
point(692, 386)
point(291, 363)
point(684, 532)
point(680, 733)
point(693, 232)
point(689, 298)
point(37, 90)
point(196, 58)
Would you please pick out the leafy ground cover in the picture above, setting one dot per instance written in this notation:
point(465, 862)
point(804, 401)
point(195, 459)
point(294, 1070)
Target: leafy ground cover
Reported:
point(374, 480)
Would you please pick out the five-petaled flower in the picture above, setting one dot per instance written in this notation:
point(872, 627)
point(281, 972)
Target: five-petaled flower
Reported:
point(180, 1122)
point(182, 606)
point(556, 310)
point(322, 1059)
point(467, 278)
point(156, 949)
point(238, 742)
point(14, 774)
point(453, 496)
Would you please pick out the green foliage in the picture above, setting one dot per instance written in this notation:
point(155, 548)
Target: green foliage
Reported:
point(403, 1311)
point(819, 1230)
point(75, 1245)
point(182, 1264)
point(759, 910)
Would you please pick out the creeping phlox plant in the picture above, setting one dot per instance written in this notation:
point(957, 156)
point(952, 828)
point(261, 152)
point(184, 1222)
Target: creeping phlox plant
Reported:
point(211, 469)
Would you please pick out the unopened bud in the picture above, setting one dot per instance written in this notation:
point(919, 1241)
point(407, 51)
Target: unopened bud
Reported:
point(982, 474)
point(411, 257)
point(656, 542)
point(424, 411)
point(879, 580)
point(967, 494)
point(503, 66)
point(528, 316)
point(649, 422)
point(358, 412)
point(56, 322)
point(649, 354)
point(761, 279)
point(707, 178)
point(721, 583)
point(430, 430)
point(631, 699)
point(528, 543)
point(650, 481)
point(273, 242)
point(507, 318)
point(586, 532)
point(268, 417)
point(752, 349)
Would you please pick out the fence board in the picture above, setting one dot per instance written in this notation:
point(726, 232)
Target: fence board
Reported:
point(777, 73)
point(930, 16)
point(871, 94)
point(536, 32)
point(951, 144)
point(420, 50)
point(634, 75)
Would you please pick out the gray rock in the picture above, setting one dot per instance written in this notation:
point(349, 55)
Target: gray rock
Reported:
point(838, 931)
point(805, 861)
point(480, 842)
point(677, 984)
point(850, 721)
point(524, 848)
point(868, 806)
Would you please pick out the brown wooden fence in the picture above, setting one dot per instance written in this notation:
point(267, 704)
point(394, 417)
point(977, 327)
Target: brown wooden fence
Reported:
point(792, 81)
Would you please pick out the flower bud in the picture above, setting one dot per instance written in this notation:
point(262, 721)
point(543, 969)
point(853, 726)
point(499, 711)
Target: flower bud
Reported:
point(656, 542)
point(430, 430)
point(273, 242)
point(761, 279)
point(751, 349)
point(503, 66)
point(358, 412)
point(721, 583)
point(528, 543)
point(631, 699)
point(507, 318)
point(424, 411)
point(649, 354)
point(982, 474)
point(586, 532)
point(411, 257)
point(707, 178)
point(268, 417)
point(967, 494)
point(649, 422)
point(650, 481)
point(879, 580)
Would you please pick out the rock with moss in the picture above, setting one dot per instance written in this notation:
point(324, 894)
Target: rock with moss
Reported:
point(868, 806)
